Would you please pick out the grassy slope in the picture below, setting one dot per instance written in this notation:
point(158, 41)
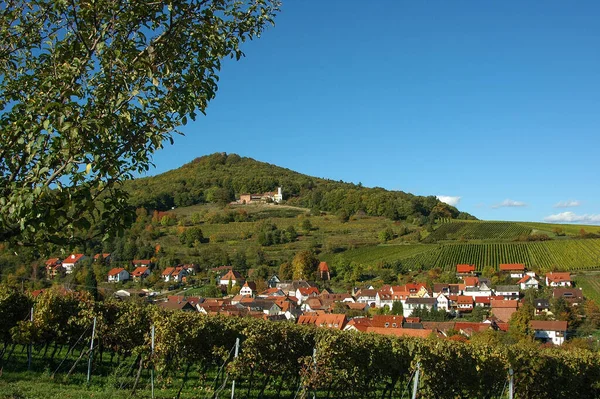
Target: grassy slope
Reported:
point(490, 243)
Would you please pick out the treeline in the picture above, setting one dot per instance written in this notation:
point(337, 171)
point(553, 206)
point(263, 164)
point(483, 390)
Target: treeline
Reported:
point(284, 357)
point(219, 178)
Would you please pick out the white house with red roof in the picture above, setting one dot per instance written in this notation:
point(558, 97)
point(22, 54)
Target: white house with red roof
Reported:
point(232, 276)
point(529, 281)
point(71, 261)
point(140, 273)
point(117, 274)
point(555, 279)
point(249, 288)
point(465, 269)
point(175, 274)
point(553, 331)
point(516, 270)
point(303, 293)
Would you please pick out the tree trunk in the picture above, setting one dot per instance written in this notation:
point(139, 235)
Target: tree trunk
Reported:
point(137, 377)
point(250, 383)
point(77, 361)
point(185, 376)
point(264, 386)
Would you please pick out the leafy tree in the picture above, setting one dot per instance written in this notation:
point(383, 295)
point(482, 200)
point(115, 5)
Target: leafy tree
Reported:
point(519, 323)
point(304, 265)
point(397, 308)
point(91, 284)
point(90, 90)
point(190, 236)
point(286, 271)
point(386, 235)
point(306, 226)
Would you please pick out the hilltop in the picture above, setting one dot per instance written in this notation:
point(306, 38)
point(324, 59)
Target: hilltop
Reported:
point(221, 178)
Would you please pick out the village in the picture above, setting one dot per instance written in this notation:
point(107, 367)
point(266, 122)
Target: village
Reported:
point(401, 310)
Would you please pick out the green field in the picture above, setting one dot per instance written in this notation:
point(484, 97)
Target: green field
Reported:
point(459, 230)
point(542, 256)
point(590, 283)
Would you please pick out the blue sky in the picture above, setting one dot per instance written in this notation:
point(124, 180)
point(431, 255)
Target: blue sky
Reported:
point(493, 102)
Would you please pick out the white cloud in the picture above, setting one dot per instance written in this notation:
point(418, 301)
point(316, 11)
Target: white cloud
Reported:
point(448, 199)
point(567, 204)
point(508, 203)
point(571, 217)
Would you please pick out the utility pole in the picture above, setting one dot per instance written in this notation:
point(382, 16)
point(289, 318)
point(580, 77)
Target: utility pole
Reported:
point(29, 349)
point(511, 383)
point(237, 348)
point(416, 381)
point(152, 369)
point(89, 373)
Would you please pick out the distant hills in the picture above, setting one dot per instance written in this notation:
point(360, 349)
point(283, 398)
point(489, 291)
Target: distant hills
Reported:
point(221, 178)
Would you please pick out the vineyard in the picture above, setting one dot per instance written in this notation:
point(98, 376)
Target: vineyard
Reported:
point(199, 356)
point(478, 231)
point(568, 255)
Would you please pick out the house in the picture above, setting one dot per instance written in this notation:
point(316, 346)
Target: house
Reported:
point(271, 292)
point(73, 260)
point(249, 288)
point(272, 282)
point(504, 309)
point(324, 271)
point(142, 262)
point(516, 270)
point(464, 303)
point(383, 299)
point(232, 276)
point(471, 282)
point(175, 274)
point(368, 296)
point(401, 332)
point(105, 258)
point(528, 281)
point(465, 269)
point(559, 280)
point(270, 196)
point(572, 295)
point(118, 274)
point(303, 293)
point(331, 321)
point(542, 306)
point(182, 305)
point(443, 303)
point(549, 331)
point(291, 286)
point(508, 291)
point(53, 267)
point(140, 273)
point(413, 303)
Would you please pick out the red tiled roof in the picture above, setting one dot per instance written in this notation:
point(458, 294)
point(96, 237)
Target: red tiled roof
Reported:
point(501, 303)
point(411, 332)
point(138, 271)
point(549, 325)
point(323, 267)
point(464, 268)
point(464, 300)
point(104, 256)
point(505, 267)
point(558, 277)
point(52, 262)
point(471, 281)
point(305, 291)
point(168, 271)
point(144, 262)
point(73, 258)
point(232, 275)
point(115, 271)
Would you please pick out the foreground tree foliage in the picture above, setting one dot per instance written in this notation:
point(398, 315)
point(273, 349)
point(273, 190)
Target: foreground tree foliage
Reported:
point(298, 359)
point(90, 89)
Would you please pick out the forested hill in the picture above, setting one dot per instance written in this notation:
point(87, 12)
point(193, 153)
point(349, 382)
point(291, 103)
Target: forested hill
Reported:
point(221, 177)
